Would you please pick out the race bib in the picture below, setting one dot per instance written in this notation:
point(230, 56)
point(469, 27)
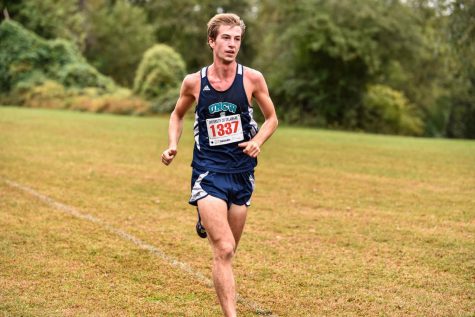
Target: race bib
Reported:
point(224, 130)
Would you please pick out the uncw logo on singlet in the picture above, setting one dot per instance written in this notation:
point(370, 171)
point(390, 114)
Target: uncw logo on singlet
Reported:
point(222, 106)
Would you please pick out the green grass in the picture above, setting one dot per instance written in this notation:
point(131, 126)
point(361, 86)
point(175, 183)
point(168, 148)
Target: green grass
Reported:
point(341, 223)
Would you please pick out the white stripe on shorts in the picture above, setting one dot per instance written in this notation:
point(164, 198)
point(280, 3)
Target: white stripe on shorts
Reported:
point(253, 183)
point(198, 192)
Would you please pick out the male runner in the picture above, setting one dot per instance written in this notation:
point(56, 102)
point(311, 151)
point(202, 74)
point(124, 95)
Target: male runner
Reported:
point(227, 143)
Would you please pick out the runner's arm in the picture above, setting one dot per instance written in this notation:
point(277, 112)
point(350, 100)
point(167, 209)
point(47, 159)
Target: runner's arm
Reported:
point(175, 128)
point(261, 94)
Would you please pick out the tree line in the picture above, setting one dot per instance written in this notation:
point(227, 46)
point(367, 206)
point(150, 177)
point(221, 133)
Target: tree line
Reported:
point(384, 66)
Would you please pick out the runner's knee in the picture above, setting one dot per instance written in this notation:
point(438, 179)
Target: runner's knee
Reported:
point(224, 250)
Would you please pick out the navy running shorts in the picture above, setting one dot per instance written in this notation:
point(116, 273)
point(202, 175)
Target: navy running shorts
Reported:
point(233, 188)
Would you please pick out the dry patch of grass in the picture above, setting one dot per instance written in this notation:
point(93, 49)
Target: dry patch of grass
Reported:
point(57, 265)
point(341, 223)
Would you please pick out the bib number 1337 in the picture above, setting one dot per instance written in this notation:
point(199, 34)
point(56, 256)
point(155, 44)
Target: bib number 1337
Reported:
point(224, 130)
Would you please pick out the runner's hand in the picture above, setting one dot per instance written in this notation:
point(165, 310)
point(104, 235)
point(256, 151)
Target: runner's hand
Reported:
point(168, 155)
point(251, 148)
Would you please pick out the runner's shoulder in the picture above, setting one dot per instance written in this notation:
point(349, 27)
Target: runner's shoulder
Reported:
point(254, 79)
point(191, 81)
point(253, 74)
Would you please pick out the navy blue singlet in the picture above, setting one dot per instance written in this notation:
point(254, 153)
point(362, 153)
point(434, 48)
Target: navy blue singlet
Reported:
point(217, 128)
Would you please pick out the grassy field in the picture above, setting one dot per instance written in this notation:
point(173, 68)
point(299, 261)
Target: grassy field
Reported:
point(341, 223)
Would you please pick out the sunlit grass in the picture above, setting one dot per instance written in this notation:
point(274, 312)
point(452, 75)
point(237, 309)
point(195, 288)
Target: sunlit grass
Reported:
point(341, 223)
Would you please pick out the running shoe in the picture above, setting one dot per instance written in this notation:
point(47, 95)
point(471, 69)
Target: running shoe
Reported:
point(200, 230)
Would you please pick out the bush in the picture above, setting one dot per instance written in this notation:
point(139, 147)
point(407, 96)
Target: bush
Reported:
point(27, 59)
point(165, 103)
point(110, 103)
point(386, 110)
point(53, 74)
point(49, 94)
point(21, 54)
point(52, 94)
point(161, 69)
point(83, 75)
point(33, 79)
point(62, 52)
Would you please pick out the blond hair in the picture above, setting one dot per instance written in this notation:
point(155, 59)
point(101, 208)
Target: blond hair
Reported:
point(229, 19)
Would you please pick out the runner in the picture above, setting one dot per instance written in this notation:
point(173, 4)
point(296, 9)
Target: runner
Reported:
point(227, 143)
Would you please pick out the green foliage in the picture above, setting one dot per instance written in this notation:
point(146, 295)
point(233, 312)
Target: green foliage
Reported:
point(33, 79)
point(161, 69)
point(64, 52)
point(329, 52)
point(48, 94)
point(462, 31)
point(53, 74)
point(26, 60)
point(54, 19)
point(165, 102)
point(81, 75)
point(461, 118)
point(119, 36)
point(182, 25)
point(461, 122)
point(386, 110)
point(318, 56)
point(21, 53)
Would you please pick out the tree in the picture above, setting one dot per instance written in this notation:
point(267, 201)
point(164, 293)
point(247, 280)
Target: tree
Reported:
point(386, 110)
point(27, 60)
point(461, 121)
point(118, 37)
point(161, 69)
point(182, 25)
point(328, 52)
point(50, 18)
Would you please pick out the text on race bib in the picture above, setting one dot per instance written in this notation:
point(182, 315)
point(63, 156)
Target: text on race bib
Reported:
point(224, 130)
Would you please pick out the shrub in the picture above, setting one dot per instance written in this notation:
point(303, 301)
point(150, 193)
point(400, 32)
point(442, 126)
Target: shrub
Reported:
point(386, 110)
point(53, 74)
point(34, 79)
point(81, 75)
point(165, 103)
point(21, 53)
point(62, 52)
point(110, 103)
point(49, 94)
point(25, 58)
point(161, 69)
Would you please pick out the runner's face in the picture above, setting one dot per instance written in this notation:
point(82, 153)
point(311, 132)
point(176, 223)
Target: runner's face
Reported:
point(227, 43)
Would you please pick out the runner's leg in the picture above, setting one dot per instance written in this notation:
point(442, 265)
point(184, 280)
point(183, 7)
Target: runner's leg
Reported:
point(213, 213)
point(237, 219)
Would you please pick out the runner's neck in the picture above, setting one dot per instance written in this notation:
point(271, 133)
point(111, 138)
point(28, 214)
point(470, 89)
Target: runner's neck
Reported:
point(222, 72)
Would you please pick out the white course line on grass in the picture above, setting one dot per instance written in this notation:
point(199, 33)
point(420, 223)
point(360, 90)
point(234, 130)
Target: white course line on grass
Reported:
point(143, 245)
